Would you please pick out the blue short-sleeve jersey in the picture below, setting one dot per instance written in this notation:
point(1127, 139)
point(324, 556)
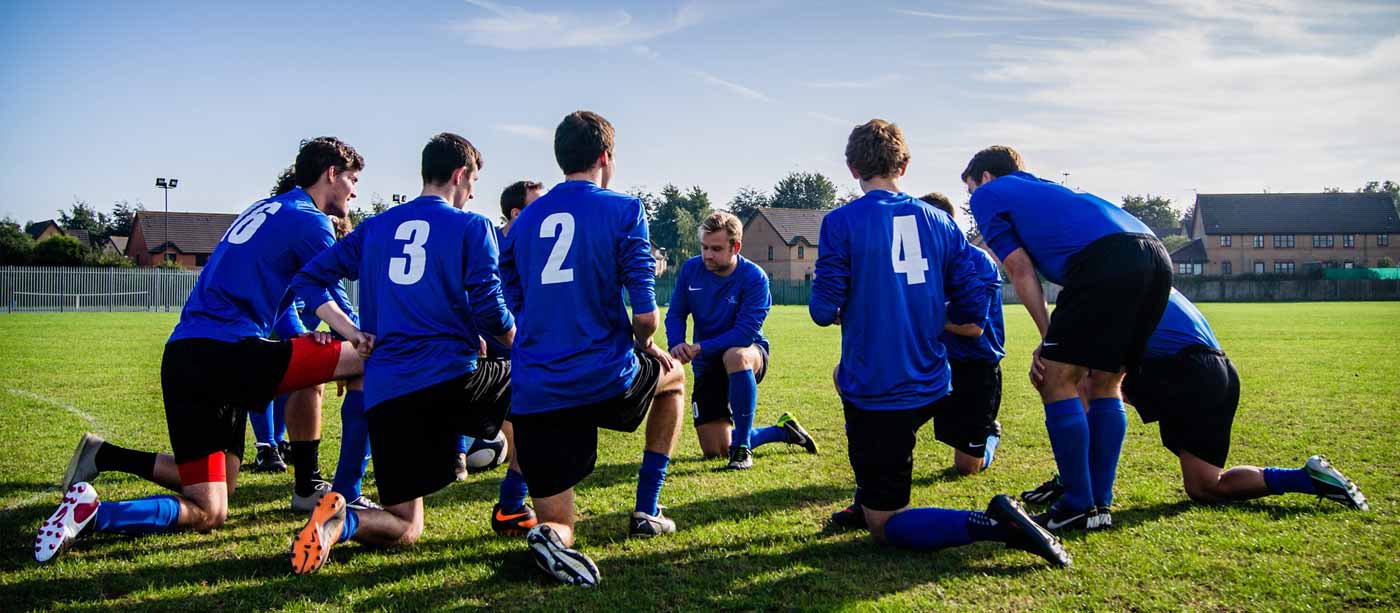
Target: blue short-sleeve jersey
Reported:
point(567, 261)
point(1182, 326)
point(894, 270)
point(1051, 222)
point(242, 290)
point(729, 311)
point(990, 347)
point(429, 288)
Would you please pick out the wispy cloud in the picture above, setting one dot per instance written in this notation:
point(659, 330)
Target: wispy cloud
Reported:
point(832, 119)
point(880, 81)
point(732, 86)
point(531, 132)
point(512, 27)
point(970, 18)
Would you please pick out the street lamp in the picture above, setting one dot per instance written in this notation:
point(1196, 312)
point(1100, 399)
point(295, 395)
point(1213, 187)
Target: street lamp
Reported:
point(166, 185)
point(399, 198)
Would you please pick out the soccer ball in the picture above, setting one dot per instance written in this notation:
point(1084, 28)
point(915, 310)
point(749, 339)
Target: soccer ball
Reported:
point(485, 454)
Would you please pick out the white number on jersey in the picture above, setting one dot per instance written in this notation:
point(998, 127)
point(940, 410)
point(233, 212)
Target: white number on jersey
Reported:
point(905, 250)
point(407, 271)
point(561, 225)
point(248, 223)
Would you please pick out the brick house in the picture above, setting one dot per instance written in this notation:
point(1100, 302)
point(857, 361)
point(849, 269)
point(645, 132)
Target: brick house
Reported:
point(783, 242)
point(192, 237)
point(1288, 233)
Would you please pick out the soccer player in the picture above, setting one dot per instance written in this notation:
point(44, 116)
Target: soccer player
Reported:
point(892, 272)
point(1116, 277)
point(430, 286)
point(218, 364)
point(578, 363)
point(1187, 384)
point(728, 297)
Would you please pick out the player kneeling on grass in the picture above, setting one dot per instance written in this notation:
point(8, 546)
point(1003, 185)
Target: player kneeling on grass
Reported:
point(578, 364)
point(728, 297)
point(218, 364)
point(892, 272)
point(1188, 385)
point(430, 286)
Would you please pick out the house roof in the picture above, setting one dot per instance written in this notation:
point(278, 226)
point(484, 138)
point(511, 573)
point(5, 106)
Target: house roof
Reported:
point(792, 224)
point(80, 234)
point(1193, 252)
point(1297, 213)
point(38, 227)
point(119, 242)
point(189, 232)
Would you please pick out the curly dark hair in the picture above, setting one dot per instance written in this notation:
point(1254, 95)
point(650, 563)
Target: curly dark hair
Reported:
point(318, 154)
point(286, 182)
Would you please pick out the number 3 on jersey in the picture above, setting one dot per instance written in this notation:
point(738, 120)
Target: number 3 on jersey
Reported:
point(561, 225)
point(408, 270)
point(905, 250)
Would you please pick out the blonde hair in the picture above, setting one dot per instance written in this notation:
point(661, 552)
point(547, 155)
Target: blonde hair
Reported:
point(723, 221)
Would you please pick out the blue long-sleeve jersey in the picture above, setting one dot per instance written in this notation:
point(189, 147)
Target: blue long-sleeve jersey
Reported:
point(429, 287)
point(495, 349)
point(298, 319)
point(895, 270)
point(566, 262)
point(729, 311)
point(243, 288)
point(1182, 325)
point(990, 347)
point(1048, 220)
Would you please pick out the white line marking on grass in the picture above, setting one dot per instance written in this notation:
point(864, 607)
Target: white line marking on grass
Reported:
point(24, 502)
point(58, 403)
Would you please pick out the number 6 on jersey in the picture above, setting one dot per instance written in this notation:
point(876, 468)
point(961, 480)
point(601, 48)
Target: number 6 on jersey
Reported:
point(905, 250)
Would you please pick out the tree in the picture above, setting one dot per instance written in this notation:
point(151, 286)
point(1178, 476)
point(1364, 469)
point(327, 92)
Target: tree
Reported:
point(847, 197)
point(123, 216)
point(376, 206)
point(1172, 242)
point(804, 190)
point(675, 226)
point(59, 251)
point(1155, 211)
point(973, 235)
point(747, 202)
point(650, 203)
point(1382, 187)
point(83, 217)
point(15, 245)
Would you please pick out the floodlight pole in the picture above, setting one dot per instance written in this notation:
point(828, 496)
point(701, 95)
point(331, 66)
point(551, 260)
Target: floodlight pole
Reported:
point(166, 186)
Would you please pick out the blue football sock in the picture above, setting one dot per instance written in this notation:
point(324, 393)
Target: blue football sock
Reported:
point(354, 446)
point(279, 417)
point(928, 529)
point(650, 478)
point(351, 525)
point(983, 528)
point(1288, 480)
point(141, 516)
point(1069, 440)
point(262, 422)
point(513, 492)
point(763, 436)
point(743, 401)
point(463, 444)
point(1108, 424)
point(990, 450)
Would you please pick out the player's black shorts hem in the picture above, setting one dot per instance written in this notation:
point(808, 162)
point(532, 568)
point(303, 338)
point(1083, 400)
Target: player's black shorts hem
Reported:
point(709, 401)
point(558, 449)
point(881, 450)
point(1194, 394)
point(968, 414)
point(414, 436)
point(1115, 291)
point(209, 386)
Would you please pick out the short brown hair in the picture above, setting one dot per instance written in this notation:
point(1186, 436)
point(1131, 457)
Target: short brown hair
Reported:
point(999, 160)
point(940, 202)
point(318, 154)
point(444, 154)
point(721, 220)
point(580, 139)
point(876, 149)
point(513, 196)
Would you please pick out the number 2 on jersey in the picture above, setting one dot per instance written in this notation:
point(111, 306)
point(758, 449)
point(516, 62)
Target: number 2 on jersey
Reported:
point(905, 250)
point(407, 271)
point(561, 225)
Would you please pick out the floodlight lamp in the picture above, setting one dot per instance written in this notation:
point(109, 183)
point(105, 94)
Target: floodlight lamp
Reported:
point(173, 183)
point(160, 182)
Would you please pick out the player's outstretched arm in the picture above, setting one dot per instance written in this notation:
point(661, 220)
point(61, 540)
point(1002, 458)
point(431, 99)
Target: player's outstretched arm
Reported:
point(315, 282)
point(482, 279)
point(832, 274)
point(1023, 277)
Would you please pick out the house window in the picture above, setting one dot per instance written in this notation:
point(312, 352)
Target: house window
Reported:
point(770, 253)
point(201, 259)
point(1283, 267)
point(1382, 240)
point(1188, 268)
point(1349, 241)
point(1226, 268)
point(807, 277)
point(1258, 241)
point(1348, 264)
point(170, 257)
point(1225, 240)
point(1258, 267)
point(1322, 241)
point(801, 252)
point(1284, 241)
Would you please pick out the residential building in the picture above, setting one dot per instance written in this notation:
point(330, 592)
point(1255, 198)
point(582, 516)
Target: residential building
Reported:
point(187, 239)
point(783, 242)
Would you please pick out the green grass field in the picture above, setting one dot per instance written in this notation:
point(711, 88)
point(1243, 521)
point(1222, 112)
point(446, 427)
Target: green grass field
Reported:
point(1318, 378)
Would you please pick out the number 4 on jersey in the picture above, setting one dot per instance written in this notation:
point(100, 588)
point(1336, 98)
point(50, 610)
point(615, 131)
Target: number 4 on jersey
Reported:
point(905, 250)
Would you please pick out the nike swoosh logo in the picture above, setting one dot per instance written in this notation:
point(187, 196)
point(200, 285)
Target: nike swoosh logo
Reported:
point(977, 445)
point(1056, 525)
point(1049, 344)
point(695, 289)
point(502, 517)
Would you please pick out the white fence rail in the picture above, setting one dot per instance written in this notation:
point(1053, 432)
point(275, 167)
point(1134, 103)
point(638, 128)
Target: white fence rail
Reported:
point(59, 289)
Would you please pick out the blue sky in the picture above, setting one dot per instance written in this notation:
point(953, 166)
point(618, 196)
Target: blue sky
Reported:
point(1165, 96)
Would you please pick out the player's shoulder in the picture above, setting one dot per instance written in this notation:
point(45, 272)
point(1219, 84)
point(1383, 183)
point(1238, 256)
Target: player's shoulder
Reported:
point(689, 266)
point(749, 269)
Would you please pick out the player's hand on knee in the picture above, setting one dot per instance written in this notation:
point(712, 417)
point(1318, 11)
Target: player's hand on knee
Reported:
point(362, 342)
point(320, 338)
point(667, 362)
point(1037, 368)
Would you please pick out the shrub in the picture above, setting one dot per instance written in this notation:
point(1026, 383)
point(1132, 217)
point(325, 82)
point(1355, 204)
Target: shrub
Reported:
point(59, 251)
